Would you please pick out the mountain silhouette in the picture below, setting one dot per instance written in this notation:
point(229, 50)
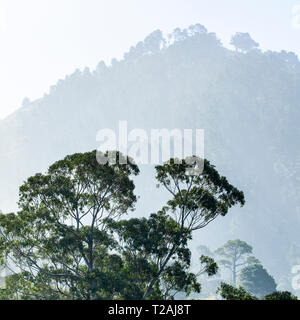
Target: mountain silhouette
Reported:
point(248, 103)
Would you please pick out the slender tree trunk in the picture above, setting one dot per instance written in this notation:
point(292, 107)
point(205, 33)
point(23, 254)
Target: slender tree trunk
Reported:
point(234, 275)
point(234, 269)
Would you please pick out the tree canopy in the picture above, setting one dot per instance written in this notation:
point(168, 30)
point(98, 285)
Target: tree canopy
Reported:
point(234, 255)
point(243, 41)
point(58, 236)
point(256, 279)
point(69, 241)
point(228, 292)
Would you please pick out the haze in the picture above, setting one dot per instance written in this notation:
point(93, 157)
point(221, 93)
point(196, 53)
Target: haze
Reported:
point(44, 40)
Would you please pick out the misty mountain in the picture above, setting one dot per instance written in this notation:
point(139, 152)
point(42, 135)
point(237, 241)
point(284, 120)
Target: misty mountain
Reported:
point(248, 103)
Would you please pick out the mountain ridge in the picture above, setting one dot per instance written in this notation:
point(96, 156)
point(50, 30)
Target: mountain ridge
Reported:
point(247, 102)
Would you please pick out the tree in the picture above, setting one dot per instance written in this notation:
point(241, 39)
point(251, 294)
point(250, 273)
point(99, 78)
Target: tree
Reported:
point(196, 29)
point(256, 279)
point(207, 259)
point(68, 242)
point(154, 42)
point(228, 292)
point(234, 255)
point(143, 244)
point(209, 266)
point(25, 102)
point(209, 283)
point(243, 41)
point(280, 295)
point(196, 200)
point(58, 240)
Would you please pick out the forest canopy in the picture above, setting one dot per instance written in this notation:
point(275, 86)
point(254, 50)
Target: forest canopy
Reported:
point(69, 239)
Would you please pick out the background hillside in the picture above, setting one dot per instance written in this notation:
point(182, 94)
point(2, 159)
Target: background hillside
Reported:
point(247, 102)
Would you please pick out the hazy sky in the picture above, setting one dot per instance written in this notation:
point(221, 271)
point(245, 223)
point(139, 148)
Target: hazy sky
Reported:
point(43, 40)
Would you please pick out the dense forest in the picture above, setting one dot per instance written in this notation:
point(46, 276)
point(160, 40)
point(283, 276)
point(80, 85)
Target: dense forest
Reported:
point(246, 100)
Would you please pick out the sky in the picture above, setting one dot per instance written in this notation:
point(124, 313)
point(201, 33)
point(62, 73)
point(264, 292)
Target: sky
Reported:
point(41, 41)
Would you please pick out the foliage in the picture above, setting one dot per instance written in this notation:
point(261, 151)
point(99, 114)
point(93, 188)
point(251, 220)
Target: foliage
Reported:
point(229, 292)
point(144, 243)
point(68, 242)
point(243, 42)
point(235, 254)
point(196, 199)
point(280, 295)
point(256, 279)
point(209, 266)
point(59, 236)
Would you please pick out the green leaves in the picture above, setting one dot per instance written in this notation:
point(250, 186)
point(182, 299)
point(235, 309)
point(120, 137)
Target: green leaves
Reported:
point(229, 292)
point(67, 241)
point(79, 183)
point(280, 295)
point(60, 231)
point(197, 199)
point(210, 266)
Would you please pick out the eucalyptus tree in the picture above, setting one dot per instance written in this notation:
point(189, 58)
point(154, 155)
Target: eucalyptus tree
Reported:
point(59, 237)
point(68, 240)
point(198, 197)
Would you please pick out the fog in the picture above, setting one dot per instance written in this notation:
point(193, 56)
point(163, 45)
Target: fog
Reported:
point(247, 101)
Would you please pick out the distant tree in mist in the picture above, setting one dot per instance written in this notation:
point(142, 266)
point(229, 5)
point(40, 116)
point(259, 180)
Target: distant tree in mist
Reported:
point(234, 255)
point(152, 44)
point(196, 29)
point(256, 279)
point(25, 102)
point(243, 41)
